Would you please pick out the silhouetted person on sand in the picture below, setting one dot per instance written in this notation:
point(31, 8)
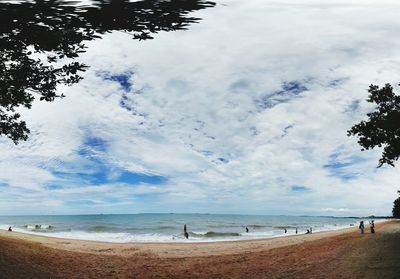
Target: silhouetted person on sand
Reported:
point(361, 227)
point(308, 231)
point(285, 230)
point(247, 229)
point(372, 226)
point(9, 229)
point(296, 231)
point(185, 233)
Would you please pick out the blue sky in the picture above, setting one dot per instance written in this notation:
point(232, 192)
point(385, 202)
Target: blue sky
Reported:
point(246, 112)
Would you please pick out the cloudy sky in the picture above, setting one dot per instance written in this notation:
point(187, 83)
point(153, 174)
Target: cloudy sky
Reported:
point(246, 112)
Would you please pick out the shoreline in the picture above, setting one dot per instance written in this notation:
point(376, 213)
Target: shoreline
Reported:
point(189, 241)
point(319, 255)
point(36, 236)
point(162, 247)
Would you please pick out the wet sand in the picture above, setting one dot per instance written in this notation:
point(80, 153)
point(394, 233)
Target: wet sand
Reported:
point(338, 254)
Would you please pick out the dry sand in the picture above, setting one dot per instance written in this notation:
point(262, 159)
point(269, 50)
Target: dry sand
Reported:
point(339, 254)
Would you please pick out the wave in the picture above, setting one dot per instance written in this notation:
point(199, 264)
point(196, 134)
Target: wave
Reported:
point(257, 226)
point(211, 234)
point(289, 227)
point(39, 227)
point(100, 228)
point(221, 234)
point(166, 228)
point(103, 228)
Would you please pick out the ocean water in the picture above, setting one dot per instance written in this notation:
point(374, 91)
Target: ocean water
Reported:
point(169, 227)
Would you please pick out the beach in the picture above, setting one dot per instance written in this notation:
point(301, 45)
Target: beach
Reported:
point(336, 254)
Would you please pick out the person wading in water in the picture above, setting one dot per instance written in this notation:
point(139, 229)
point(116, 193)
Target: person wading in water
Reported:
point(185, 233)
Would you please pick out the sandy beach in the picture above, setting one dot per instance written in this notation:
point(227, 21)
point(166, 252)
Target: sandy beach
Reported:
point(337, 254)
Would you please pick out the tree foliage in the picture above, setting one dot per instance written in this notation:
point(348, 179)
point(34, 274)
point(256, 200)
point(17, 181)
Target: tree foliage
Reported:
point(382, 129)
point(396, 207)
point(40, 41)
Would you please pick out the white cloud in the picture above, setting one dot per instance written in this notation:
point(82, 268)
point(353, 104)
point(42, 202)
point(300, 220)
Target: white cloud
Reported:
point(335, 210)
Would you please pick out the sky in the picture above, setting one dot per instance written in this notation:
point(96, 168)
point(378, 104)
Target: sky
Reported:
point(246, 112)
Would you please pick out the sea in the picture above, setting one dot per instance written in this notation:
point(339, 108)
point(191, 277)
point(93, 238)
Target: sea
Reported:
point(125, 228)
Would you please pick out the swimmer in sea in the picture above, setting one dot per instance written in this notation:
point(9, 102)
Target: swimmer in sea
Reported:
point(185, 233)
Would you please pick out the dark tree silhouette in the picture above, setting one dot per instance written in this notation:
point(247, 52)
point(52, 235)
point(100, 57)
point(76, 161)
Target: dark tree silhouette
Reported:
point(396, 207)
point(382, 129)
point(40, 41)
